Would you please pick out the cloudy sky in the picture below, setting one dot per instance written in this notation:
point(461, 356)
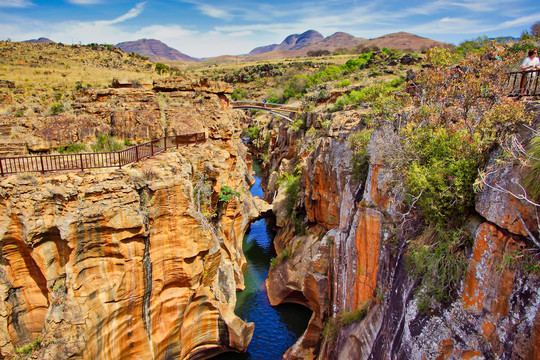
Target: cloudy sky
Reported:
point(205, 28)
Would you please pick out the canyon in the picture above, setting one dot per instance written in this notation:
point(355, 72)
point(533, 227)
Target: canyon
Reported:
point(145, 261)
point(349, 267)
point(135, 263)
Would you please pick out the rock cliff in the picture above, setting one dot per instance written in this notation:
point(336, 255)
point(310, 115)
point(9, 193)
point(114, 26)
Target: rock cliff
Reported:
point(341, 257)
point(141, 262)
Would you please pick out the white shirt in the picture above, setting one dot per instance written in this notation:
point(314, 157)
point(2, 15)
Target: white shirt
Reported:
point(528, 62)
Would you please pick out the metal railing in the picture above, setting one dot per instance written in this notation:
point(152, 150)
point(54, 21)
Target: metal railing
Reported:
point(524, 83)
point(82, 161)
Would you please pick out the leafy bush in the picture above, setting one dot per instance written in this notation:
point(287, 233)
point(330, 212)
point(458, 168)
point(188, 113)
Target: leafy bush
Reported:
point(439, 259)
point(292, 187)
point(57, 108)
point(161, 68)
point(343, 83)
point(295, 87)
point(238, 94)
point(368, 94)
point(359, 63)
point(107, 143)
point(358, 143)
point(442, 174)
point(531, 179)
point(313, 53)
point(252, 132)
point(71, 148)
point(226, 194)
point(25, 350)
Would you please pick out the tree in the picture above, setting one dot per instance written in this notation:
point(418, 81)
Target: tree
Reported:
point(535, 30)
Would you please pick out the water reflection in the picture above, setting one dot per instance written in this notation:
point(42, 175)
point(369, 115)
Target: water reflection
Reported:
point(276, 328)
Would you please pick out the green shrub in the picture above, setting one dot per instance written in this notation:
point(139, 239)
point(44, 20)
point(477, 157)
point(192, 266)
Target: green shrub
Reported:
point(71, 148)
point(438, 258)
point(343, 83)
point(292, 187)
point(27, 349)
point(442, 174)
point(358, 143)
point(531, 179)
point(107, 143)
point(226, 194)
point(239, 94)
point(284, 255)
point(57, 108)
point(252, 132)
point(161, 68)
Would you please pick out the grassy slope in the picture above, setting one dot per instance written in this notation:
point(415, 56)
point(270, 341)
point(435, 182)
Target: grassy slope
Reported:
point(44, 72)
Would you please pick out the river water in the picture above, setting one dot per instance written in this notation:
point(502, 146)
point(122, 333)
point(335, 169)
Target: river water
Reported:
point(276, 328)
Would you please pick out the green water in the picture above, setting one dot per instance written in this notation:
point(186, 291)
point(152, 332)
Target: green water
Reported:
point(276, 328)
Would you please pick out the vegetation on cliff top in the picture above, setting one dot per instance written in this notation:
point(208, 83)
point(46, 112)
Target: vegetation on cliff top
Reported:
point(440, 127)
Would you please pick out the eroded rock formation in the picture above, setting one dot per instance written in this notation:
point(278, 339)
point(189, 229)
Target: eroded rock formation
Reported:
point(139, 262)
point(349, 262)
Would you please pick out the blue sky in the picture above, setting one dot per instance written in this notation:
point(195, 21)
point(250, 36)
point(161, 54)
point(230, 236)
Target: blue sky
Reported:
point(205, 28)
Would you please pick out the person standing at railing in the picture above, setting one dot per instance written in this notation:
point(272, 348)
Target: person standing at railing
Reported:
point(530, 63)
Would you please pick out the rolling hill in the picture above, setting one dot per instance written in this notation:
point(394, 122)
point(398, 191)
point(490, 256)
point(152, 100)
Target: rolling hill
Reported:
point(155, 50)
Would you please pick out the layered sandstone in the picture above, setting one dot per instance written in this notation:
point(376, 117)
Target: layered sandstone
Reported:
point(141, 262)
point(176, 105)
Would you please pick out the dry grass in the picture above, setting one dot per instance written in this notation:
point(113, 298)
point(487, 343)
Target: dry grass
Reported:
point(48, 73)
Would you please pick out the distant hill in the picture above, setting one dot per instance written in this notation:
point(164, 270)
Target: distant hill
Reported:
point(41, 40)
point(340, 40)
point(404, 41)
point(155, 50)
point(291, 42)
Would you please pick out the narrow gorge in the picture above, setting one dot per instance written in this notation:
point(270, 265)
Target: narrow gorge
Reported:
point(381, 258)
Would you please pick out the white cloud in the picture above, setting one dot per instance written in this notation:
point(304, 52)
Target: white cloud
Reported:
point(15, 3)
point(521, 21)
point(132, 13)
point(213, 11)
point(482, 5)
point(217, 12)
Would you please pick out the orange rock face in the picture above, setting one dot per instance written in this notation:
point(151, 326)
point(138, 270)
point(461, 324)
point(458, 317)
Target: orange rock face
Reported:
point(368, 238)
point(122, 265)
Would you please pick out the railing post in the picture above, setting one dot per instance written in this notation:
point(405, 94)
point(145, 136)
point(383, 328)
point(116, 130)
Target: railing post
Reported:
point(137, 152)
point(119, 160)
point(165, 140)
point(151, 148)
point(82, 166)
point(42, 166)
point(1, 168)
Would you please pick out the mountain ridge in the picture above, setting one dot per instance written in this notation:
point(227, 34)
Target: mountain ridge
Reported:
point(291, 42)
point(155, 50)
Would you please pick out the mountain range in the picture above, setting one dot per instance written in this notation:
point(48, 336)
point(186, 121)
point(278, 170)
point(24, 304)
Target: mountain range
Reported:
point(292, 46)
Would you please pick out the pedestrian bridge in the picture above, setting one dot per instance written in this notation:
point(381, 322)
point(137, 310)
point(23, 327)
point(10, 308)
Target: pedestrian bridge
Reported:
point(284, 111)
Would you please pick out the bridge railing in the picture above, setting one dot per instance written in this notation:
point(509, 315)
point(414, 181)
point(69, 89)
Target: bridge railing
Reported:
point(524, 83)
point(82, 161)
point(268, 105)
